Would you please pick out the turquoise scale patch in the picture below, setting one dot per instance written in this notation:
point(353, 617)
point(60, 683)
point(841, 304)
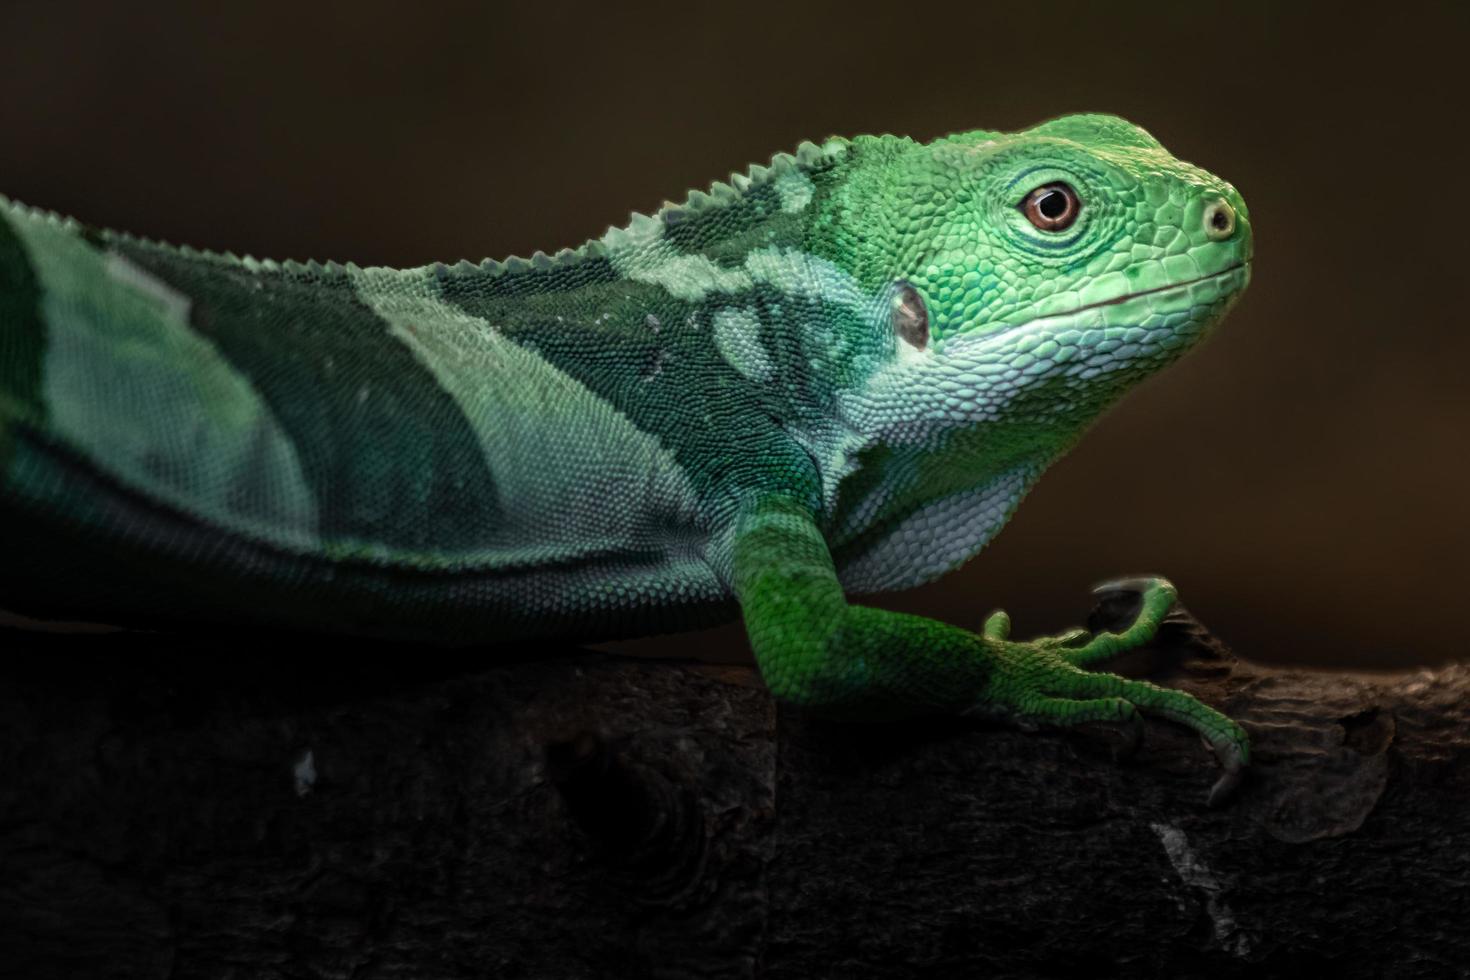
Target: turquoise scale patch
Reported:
point(579, 481)
point(396, 470)
point(130, 389)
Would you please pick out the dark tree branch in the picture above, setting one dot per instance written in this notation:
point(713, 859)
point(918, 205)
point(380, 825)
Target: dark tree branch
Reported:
point(178, 807)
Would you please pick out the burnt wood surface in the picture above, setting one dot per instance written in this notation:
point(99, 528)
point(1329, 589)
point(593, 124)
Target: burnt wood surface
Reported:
point(242, 806)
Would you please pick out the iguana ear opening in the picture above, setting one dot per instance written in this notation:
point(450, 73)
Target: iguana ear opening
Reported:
point(910, 315)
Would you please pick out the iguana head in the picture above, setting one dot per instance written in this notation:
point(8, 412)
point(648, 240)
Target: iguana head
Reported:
point(1022, 283)
point(1034, 276)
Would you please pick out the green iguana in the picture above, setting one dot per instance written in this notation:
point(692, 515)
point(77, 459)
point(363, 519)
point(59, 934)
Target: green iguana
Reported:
point(838, 373)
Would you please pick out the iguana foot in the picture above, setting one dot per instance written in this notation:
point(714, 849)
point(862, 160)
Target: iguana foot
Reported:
point(1042, 681)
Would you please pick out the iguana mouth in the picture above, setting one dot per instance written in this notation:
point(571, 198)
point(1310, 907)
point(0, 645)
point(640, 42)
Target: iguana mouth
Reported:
point(963, 341)
point(1146, 292)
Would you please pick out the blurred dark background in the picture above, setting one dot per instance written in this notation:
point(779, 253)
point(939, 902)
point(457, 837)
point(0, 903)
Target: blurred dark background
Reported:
point(1302, 477)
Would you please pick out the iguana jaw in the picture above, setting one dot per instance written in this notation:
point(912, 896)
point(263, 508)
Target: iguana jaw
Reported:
point(1159, 289)
point(1049, 319)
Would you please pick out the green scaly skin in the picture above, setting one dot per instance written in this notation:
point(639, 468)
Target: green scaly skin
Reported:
point(836, 374)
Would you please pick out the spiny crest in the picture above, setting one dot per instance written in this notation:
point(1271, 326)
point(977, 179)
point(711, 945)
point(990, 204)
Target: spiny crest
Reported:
point(39, 214)
point(309, 268)
point(808, 158)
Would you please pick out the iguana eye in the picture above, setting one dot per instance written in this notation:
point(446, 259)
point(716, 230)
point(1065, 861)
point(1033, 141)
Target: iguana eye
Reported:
point(910, 316)
point(1052, 207)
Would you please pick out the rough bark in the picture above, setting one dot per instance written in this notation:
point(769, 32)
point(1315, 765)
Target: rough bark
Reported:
point(179, 807)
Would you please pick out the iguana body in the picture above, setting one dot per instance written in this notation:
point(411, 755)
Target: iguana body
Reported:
point(836, 374)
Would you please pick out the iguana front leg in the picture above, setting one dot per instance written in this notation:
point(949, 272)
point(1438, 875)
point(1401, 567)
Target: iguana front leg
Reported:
point(847, 661)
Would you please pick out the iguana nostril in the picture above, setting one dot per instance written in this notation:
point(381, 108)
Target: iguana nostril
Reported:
point(1219, 221)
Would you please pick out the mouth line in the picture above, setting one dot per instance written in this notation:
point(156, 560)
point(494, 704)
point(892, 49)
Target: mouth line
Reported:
point(1147, 292)
point(988, 339)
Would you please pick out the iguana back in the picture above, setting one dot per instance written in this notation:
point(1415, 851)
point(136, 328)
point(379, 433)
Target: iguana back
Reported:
point(471, 452)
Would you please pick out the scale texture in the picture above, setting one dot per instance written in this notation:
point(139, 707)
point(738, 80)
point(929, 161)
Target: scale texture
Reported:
point(835, 374)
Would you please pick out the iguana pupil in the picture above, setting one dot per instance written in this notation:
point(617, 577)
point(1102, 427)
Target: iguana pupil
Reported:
point(1052, 207)
point(1053, 204)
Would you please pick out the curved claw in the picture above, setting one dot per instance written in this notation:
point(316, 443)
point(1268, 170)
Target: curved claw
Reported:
point(1224, 787)
point(1135, 584)
point(1232, 761)
point(1069, 638)
point(1226, 739)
